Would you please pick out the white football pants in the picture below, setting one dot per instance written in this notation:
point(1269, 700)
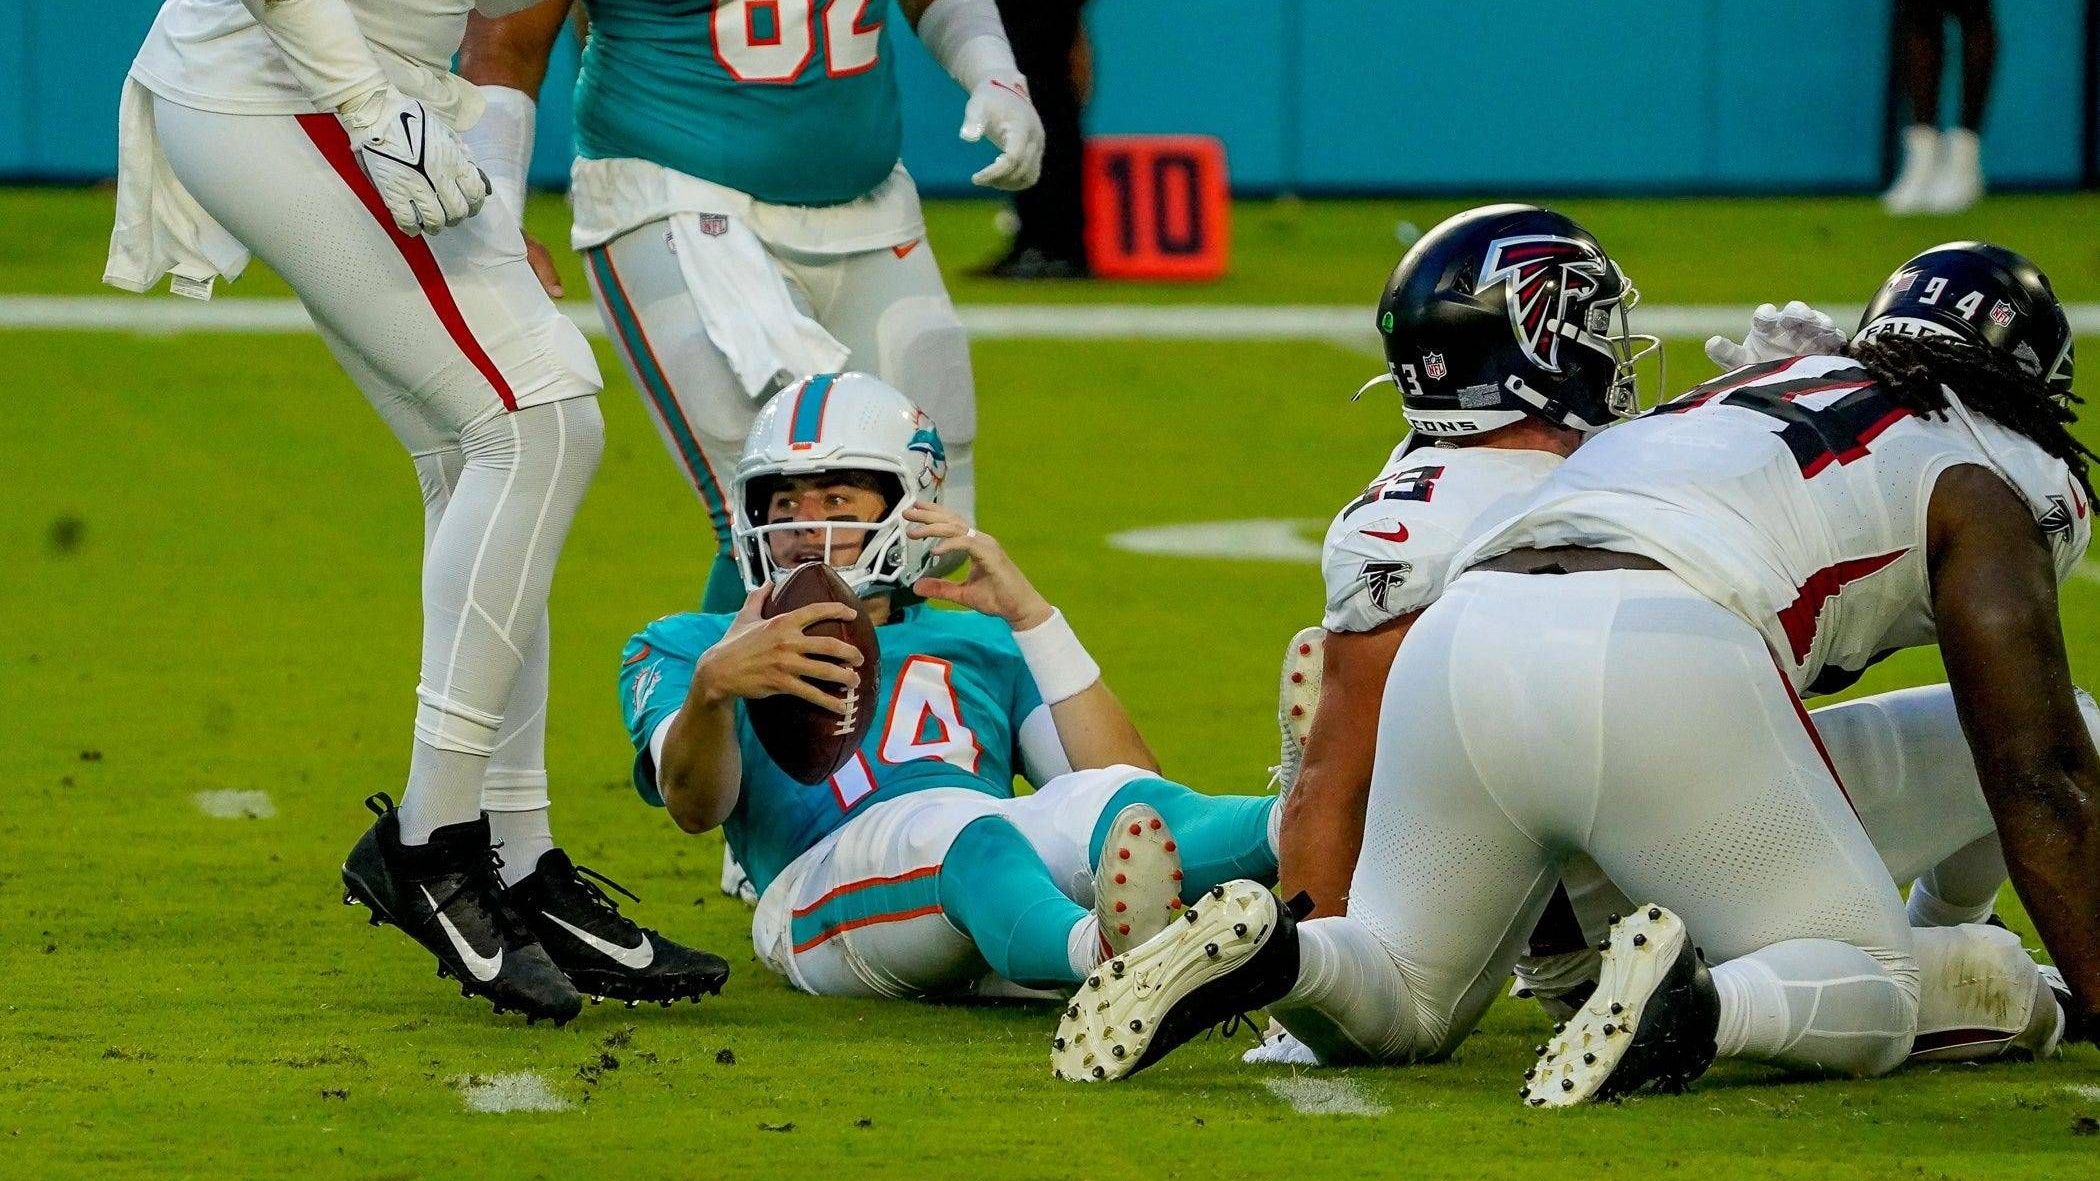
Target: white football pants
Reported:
point(889, 309)
point(1907, 768)
point(489, 388)
point(1533, 719)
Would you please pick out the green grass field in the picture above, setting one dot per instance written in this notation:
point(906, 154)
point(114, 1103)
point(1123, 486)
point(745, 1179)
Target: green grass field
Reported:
point(208, 582)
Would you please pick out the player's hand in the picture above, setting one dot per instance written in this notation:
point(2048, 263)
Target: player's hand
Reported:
point(1000, 108)
point(995, 586)
point(426, 176)
point(1777, 333)
point(761, 657)
point(542, 260)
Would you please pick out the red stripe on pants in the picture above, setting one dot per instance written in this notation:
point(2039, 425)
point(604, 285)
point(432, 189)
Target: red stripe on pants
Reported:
point(334, 143)
point(1786, 686)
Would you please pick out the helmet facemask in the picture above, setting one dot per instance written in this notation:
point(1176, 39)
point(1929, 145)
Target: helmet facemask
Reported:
point(889, 560)
point(1626, 348)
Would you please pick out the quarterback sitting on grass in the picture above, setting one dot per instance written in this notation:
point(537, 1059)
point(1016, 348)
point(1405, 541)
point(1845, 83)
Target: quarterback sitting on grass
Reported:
point(913, 870)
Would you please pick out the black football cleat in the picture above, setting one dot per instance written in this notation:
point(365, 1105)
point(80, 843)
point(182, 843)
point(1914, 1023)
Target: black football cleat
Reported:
point(1235, 950)
point(446, 896)
point(1651, 1021)
point(605, 953)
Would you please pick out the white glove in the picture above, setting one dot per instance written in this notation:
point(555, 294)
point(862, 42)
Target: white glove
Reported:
point(1776, 334)
point(426, 176)
point(999, 107)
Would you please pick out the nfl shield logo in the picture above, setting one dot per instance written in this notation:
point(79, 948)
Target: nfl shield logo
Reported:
point(1433, 365)
point(714, 225)
point(2002, 314)
point(1903, 281)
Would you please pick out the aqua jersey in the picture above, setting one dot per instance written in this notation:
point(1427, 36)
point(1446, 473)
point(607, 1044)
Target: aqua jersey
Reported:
point(948, 713)
point(793, 102)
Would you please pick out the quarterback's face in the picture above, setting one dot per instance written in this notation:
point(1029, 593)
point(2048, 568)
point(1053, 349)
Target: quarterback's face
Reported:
point(817, 500)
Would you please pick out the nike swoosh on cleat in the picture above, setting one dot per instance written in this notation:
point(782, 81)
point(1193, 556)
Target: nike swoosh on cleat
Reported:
point(906, 248)
point(1397, 533)
point(483, 967)
point(633, 958)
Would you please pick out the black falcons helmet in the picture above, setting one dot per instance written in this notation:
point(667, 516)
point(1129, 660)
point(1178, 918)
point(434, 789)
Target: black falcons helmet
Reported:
point(1506, 311)
point(1983, 294)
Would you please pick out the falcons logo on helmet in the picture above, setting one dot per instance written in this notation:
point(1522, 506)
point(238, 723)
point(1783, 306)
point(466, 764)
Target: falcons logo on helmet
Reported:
point(1549, 277)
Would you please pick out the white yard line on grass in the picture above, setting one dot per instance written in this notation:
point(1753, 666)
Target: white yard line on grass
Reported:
point(2085, 1092)
point(517, 1091)
point(1260, 540)
point(235, 805)
point(1313, 1095)
point(1343, 324)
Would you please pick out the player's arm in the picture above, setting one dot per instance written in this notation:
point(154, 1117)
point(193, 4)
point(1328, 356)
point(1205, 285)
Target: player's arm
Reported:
point(699, 770)
point(1092, 725)
point(425, 176)
point(512, 51)
point(1323, 817)
point(506, 55)
point(1994, 598)
point(968, 40)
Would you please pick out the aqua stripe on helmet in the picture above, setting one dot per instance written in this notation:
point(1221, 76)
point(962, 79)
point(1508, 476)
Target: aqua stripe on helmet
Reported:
point(809, 408)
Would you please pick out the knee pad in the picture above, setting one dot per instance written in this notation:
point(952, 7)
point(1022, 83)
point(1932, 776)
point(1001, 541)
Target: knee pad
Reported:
point(1982, 996)
point(925, 353)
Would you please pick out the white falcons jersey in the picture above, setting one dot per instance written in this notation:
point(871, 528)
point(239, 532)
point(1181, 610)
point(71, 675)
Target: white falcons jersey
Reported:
point(1388, 553)
point(212, 55)
point(1793, 493)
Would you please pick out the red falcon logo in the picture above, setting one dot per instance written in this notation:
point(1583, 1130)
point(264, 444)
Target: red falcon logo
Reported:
point(1548, 278)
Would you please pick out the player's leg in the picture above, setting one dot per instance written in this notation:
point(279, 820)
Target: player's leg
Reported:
point(1219, 838)
point(473, 356)
point(1716, 802)
point(1446, 889)
point(893, 312)
point(686, 384)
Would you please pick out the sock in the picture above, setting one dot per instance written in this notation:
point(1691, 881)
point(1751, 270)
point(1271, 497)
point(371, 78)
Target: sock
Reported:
point(995, 889)
point(725, 587)
point(1083, 946)
point(514, 792)
point(1817, 1004)
point(1351, 1002)
point(1962, 888)
point(455, 801)
point(1220, 838)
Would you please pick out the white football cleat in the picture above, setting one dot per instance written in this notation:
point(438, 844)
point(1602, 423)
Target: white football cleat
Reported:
point(1651, 1020)
point(1921, 158)
point(1279, 1047)
point(1137, 882)
point(1235, 950)
point(1297, 700)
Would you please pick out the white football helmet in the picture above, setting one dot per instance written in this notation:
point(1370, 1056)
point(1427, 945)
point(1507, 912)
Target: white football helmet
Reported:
point(833, 422)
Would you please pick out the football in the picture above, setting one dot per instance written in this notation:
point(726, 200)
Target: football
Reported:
point(809, 743)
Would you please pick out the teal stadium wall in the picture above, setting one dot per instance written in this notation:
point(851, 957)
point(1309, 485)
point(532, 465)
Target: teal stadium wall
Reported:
point(1345, 96)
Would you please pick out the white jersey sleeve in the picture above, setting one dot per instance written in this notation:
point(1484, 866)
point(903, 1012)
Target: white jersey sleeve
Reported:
point(1389, 552)
point(2058, 501)
point(1380, 566)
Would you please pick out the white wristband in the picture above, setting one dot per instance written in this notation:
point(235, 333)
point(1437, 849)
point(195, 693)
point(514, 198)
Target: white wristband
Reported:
point(501, 141)
point(1056, 659)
